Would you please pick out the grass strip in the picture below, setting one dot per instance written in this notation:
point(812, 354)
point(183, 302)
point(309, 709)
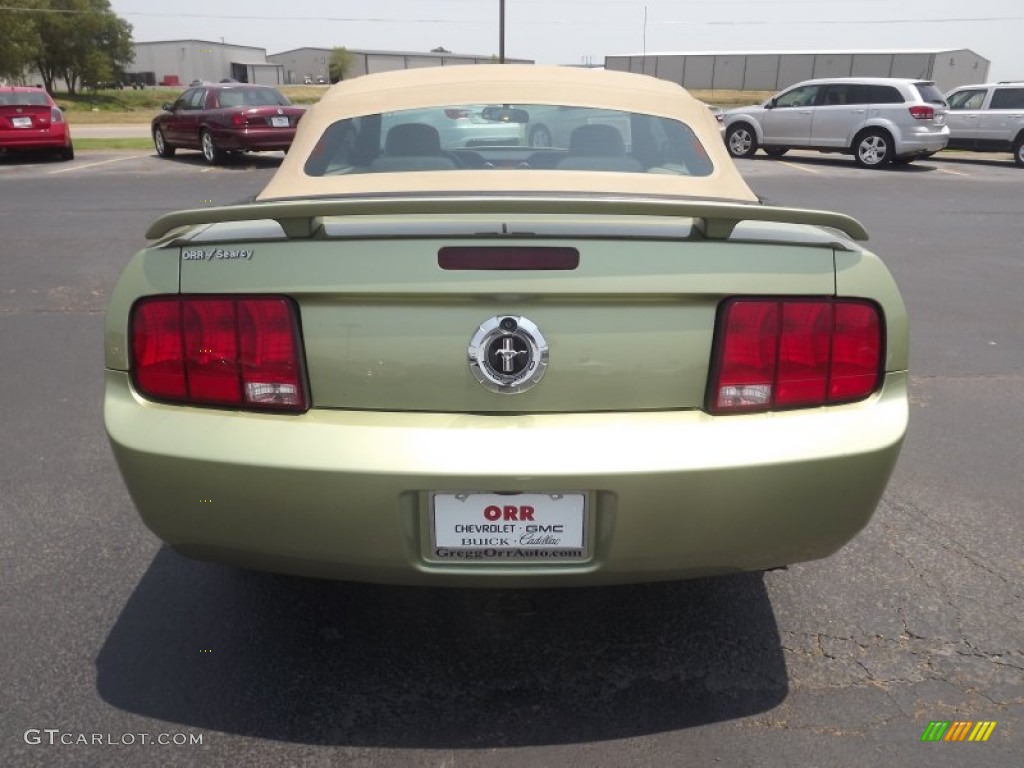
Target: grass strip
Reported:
point(125, 143)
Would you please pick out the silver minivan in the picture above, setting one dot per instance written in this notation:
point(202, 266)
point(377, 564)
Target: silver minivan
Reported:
point(878, 120)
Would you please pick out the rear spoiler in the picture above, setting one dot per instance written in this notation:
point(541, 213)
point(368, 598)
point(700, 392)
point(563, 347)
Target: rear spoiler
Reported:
point(303, 218)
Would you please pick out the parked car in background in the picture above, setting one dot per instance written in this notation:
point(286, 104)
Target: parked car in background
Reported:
point(988, 118)
point(877, 120)
point(30, 120)
point(719, 115)
point(552, 125)
point(466, 125)
point(218, 119)
point(105, 85)
point(416, 363)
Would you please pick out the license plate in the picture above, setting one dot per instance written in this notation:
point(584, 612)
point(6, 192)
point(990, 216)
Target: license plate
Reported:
point(279, 122)
point(21, 122)
point(509, 528)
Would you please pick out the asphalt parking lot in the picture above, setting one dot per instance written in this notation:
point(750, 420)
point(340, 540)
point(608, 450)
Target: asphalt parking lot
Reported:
point(839, 662)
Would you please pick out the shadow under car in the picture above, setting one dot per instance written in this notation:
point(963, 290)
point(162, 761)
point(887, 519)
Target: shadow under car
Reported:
point(321, 662)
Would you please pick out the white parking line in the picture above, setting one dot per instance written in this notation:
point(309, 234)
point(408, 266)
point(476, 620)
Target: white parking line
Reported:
point(953, 173)
point(798, 167)
point(93, 165)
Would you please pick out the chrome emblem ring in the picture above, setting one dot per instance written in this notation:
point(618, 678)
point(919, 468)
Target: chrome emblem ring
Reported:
point(508, 354)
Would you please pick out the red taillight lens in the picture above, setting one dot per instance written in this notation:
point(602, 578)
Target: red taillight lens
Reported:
point(158, 348)
point(56, 116)
point(211, 351)
point(269, 353)
point(456, 114)
point(772, 354)
point(802, 375)
point(241, 352)
point(238, 118)
point(856, 352)
point(922, 113)
point(749, 349)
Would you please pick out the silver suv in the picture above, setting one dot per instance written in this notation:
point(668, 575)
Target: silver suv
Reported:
point(988, 118)
point(876, 119)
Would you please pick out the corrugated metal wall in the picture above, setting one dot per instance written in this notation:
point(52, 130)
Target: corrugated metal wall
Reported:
point(314, 62)
point(187, 60)
point(772, 71)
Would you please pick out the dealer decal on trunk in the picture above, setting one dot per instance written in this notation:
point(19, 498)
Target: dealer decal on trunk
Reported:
point(220, 254)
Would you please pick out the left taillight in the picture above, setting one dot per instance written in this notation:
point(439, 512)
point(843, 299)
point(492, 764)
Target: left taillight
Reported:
point(775, 354)
point(236, 352)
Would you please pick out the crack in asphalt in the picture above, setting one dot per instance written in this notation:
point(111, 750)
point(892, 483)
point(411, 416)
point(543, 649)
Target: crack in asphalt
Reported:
point(952, 545)
point(923, 651)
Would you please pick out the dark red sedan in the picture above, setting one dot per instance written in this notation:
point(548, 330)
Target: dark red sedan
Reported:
point(30, 120)
point(218, 119)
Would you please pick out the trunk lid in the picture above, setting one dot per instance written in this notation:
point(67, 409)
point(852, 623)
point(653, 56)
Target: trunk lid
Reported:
point(271, 117)
point(387, 327)
point(24, 116)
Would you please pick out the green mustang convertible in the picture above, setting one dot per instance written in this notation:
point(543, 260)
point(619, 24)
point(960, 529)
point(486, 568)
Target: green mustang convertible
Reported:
point(433, 352)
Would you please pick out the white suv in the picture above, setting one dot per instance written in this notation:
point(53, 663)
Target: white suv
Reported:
point(876, 119)
point(988, 118)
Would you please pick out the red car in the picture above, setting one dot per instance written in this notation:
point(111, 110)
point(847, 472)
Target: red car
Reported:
point(221, 118)
point(31, 120)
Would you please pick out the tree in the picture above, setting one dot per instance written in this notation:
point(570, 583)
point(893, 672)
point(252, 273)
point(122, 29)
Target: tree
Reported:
point(21, 39)
point(340, 64)
point(83, 41)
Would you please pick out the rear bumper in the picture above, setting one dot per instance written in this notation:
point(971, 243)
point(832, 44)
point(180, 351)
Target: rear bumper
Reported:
point(34, 138)
point(924, 140)
point(343, 494)
point(256, 139)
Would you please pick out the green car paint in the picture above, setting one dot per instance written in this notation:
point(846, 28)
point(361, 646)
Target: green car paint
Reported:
point(344, 490)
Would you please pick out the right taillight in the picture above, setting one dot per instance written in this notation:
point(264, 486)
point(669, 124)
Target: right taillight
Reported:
point(237, 352)
point(919, 112)
point(774, 354)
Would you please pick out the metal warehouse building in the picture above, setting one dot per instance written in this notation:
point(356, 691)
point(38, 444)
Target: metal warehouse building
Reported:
point(312, 62)
point(179, 62)
point(773, 70)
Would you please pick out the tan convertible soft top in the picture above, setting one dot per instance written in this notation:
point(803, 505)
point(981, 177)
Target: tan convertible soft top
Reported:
point(507, 84)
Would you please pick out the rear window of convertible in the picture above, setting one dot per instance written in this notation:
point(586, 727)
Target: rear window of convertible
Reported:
point(509, 136)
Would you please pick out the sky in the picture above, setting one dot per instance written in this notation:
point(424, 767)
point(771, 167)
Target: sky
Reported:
point(585, 31)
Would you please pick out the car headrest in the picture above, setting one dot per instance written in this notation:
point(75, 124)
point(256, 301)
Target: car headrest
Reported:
point(412, 139)
point(597, 140)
